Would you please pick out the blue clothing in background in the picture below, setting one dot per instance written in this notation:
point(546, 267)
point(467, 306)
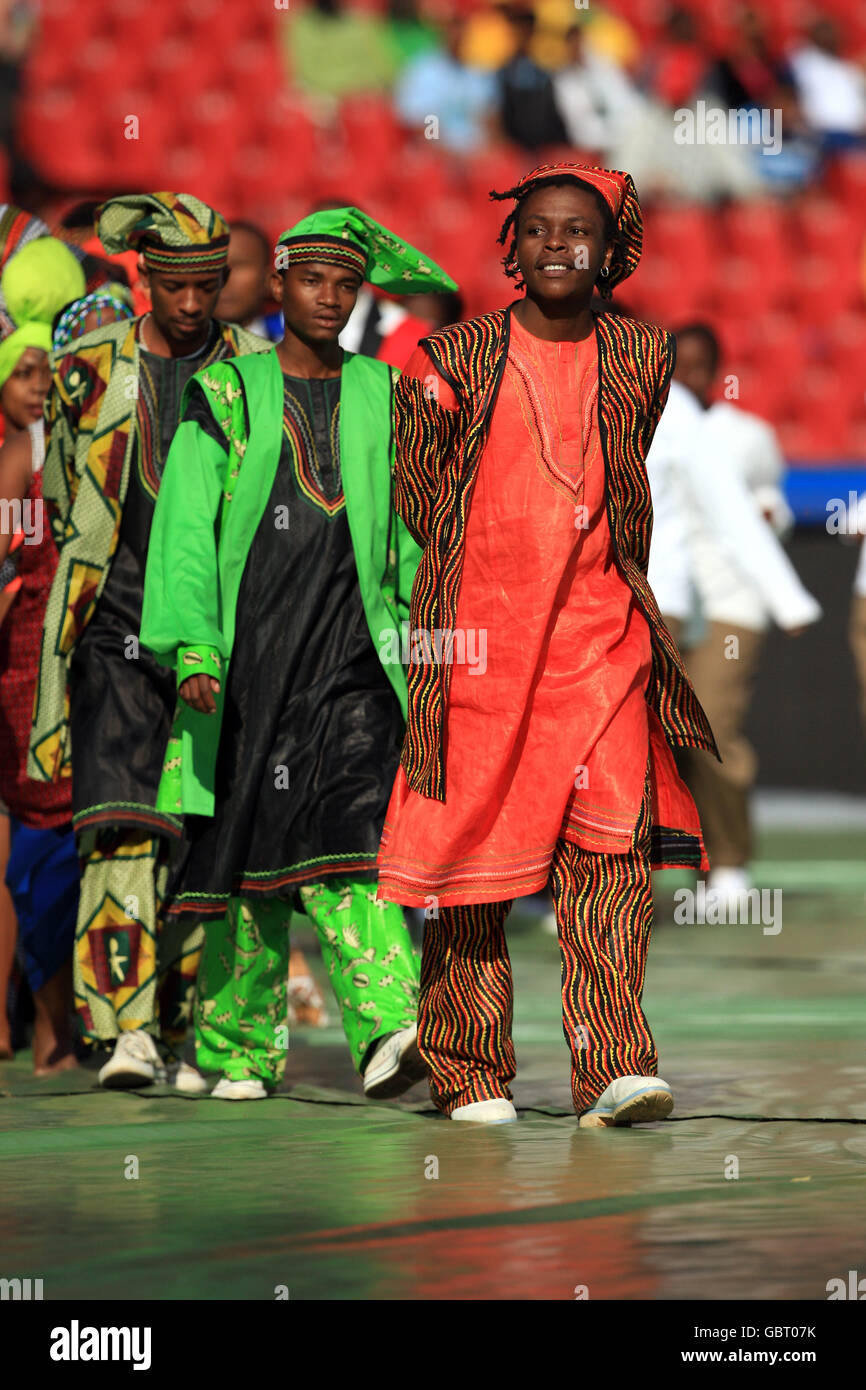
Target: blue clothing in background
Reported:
point(43, 878)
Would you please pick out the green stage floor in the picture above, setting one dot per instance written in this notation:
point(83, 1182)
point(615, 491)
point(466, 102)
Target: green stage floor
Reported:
point(317, 1191)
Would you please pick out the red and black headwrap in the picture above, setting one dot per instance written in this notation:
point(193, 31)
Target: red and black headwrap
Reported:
point(614, 187)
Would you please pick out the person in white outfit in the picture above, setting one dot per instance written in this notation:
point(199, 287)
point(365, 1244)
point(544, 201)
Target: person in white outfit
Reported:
point(715, 473)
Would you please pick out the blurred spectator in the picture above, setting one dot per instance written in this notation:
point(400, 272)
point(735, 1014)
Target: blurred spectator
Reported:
point(244, 295)
point(335, 50)
point(445, 98)
point(42, 869)
point(595, 97)
point(798, 162)
point(438, 309)
point(750, 77)
point(528, 110)
point(380, 327)
point(678, 63)
point(609, 36)
point(488, 38)
point(17, 22)
point(727, 470)
point(748, 74)
point(661, 161)
point(832, 91)
point(409, 35)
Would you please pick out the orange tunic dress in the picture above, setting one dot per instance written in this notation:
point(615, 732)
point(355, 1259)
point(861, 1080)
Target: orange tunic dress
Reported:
point(548, 733)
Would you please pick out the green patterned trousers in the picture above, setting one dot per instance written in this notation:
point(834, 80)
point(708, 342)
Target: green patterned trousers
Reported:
point(241, 1005)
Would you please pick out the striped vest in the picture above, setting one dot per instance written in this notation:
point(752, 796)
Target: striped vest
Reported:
point(436, 466)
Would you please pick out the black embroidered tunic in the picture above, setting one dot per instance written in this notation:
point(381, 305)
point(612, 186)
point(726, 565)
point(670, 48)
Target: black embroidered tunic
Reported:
point(312, 728)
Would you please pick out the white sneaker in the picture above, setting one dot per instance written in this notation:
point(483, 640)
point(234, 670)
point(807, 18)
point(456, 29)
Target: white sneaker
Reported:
point(630, 1100)
point(186, 1078)
point(395, 1065)
point(726, 885)
point(134, 1062)
point(250, 1089)
point(486, 1112)
point(549, 923)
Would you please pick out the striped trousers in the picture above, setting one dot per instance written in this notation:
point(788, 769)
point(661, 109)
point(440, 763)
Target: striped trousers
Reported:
point(603, 905)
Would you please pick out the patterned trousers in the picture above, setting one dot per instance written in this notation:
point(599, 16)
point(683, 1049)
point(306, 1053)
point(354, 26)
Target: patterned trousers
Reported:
point(240, 1016)
point(130, 969)
point(603, 905)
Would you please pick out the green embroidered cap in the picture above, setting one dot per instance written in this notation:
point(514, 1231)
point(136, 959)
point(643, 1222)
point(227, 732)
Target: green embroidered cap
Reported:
point(349, 237)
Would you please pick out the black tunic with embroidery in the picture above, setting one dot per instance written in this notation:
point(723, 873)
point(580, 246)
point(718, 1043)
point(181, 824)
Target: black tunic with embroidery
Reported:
point(121, 700)
point(312, 728)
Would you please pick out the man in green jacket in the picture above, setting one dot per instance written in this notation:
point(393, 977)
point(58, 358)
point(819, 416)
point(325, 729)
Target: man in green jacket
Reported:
point(278, 571)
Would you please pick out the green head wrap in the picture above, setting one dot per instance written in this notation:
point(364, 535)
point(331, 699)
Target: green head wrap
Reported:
point(348, 237)
point(36, 284)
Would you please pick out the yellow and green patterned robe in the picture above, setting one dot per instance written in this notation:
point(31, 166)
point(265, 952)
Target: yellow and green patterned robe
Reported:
point(95, 414)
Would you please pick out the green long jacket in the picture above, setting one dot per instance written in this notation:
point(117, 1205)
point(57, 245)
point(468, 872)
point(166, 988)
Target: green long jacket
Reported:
point(209, 506)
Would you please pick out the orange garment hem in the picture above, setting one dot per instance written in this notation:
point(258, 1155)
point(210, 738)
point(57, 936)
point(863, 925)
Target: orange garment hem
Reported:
point(395, 891)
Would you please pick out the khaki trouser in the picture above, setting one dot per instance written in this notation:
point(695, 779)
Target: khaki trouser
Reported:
point(722, 670)
point(857, 638)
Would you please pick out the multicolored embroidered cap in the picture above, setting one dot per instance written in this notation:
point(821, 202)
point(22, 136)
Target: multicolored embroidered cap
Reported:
point(172, 230)
point(348, 237)
point(113, 298)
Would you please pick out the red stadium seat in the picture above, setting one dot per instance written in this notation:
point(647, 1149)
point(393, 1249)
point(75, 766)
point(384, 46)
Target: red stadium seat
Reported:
point(824, 407)
point(823, 222)
point(368, 123)
point(846, 179)
point(847, 341)
point(758, 388)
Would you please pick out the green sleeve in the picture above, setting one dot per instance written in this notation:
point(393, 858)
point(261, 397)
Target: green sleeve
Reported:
point(181, 610)
point(198, 659)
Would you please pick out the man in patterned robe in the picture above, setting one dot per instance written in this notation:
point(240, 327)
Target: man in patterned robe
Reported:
point(103, 707)
point(537, 746)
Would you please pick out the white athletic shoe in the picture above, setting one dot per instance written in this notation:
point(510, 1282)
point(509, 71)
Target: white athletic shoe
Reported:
point(630, 1100)
point(395, 1066)
point(486, 1112)
point(726, 884)
point(186, 1078)
point(549, 923)
point(250, 1089)
point(134, 1062)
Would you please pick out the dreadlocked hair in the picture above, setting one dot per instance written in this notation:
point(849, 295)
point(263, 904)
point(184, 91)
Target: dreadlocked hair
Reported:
point(522, 192)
